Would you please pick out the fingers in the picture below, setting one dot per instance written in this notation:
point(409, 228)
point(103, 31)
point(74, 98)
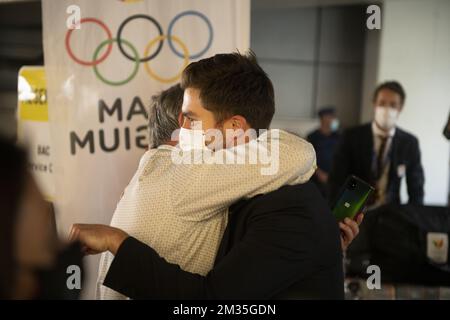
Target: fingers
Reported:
point(83, 233)
point(349, 229)
point(343, 243)
point(74, 233)
point(353, 225)
point(88, 251)
point(77, 233)
point(360, 218)
point(347, 232)
point(96, 238)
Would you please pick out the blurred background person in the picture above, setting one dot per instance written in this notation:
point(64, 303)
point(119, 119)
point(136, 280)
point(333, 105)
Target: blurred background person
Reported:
point(381, 153)
point(32, 266)
point(324, 139)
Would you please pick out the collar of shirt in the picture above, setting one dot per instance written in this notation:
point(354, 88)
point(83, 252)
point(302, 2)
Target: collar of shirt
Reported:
point(378, 132)
point(166, 147)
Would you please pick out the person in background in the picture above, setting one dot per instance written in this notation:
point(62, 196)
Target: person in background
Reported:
point(381, 153)
point(32, 266)
point(324, 139)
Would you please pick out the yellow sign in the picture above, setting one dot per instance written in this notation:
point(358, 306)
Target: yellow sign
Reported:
point(33, 130)
point(32, 94)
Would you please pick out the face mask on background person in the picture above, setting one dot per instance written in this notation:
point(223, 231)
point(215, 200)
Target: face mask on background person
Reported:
point(385, 117)
point(334, 125)
point(191, 139)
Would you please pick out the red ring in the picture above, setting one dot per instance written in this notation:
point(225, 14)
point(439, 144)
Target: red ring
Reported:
point(103, 57)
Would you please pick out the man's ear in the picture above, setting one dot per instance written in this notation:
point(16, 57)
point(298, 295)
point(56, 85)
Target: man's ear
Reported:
point(236, 122)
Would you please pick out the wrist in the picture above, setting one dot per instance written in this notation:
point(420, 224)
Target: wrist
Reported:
point(116, 238)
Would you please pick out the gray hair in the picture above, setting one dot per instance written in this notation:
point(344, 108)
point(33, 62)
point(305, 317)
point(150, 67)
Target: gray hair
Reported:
point(165, 109)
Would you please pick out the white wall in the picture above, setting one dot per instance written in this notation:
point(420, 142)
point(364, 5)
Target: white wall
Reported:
point(313, 56)
point(285, 42)
point(370, 73)
point(415, 50)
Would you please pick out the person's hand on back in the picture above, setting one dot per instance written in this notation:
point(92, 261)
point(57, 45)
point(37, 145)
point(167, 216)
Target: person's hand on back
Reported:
point(97, 238)
point(322, 176)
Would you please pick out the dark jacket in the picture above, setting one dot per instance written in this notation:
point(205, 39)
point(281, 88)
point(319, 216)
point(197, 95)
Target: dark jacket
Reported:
point(284, 244)
point(355, 153)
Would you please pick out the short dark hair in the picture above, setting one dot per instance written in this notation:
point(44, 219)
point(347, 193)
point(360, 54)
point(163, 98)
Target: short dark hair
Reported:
point(233, 84)
point(327, 111)
point(163, 115)
point(393, 86)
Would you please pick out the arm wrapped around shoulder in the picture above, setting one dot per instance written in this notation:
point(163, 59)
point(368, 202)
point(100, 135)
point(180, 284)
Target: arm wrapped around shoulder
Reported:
point(297, 157)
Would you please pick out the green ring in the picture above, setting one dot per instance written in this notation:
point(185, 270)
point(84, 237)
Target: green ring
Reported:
point(136, 63)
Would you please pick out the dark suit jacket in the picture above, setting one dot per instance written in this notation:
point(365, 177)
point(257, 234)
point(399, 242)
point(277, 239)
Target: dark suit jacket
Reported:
point(355, 153)
point(284, 244)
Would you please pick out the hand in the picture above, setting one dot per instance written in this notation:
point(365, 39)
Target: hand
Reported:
point(322, 176)
point(349, 230)
point(97, 238)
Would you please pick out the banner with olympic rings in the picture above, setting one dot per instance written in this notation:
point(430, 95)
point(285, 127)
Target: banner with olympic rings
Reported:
point(104, 59)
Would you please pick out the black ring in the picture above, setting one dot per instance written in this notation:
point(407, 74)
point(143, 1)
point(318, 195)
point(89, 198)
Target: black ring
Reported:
point(136, 16)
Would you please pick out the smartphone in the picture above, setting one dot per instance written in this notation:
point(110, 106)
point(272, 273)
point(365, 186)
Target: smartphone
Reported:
point(352, 198)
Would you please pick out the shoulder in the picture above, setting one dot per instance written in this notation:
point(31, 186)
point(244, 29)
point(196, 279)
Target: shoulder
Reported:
point(358, 130)
point(300, 198)
point(294, 213)
point(355, 134)
point(293, 146)
point(406, 136)
point(312, 135)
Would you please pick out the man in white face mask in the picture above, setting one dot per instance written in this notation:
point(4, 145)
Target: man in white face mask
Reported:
point(380, 152)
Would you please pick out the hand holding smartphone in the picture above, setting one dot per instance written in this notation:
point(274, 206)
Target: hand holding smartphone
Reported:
point(352, 198)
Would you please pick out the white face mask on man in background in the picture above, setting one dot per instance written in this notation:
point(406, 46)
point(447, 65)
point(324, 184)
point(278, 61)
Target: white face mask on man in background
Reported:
point(385, 117)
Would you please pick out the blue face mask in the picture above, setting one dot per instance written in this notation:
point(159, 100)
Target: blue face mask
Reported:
point(334, 125)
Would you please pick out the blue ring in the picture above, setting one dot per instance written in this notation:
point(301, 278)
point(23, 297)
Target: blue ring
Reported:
point(190, 13)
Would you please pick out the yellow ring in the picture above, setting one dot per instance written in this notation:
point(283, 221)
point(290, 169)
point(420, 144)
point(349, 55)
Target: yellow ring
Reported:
point(152, 73)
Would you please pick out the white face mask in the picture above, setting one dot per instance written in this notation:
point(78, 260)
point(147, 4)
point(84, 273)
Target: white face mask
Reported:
point(191, 139)
point(334, 125)
point(385, 117)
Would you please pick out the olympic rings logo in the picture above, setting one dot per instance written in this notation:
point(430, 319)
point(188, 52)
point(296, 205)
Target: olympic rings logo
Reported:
point(158, 41)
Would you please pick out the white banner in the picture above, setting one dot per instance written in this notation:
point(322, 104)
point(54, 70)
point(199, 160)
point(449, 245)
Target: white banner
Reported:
point(104, 60)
